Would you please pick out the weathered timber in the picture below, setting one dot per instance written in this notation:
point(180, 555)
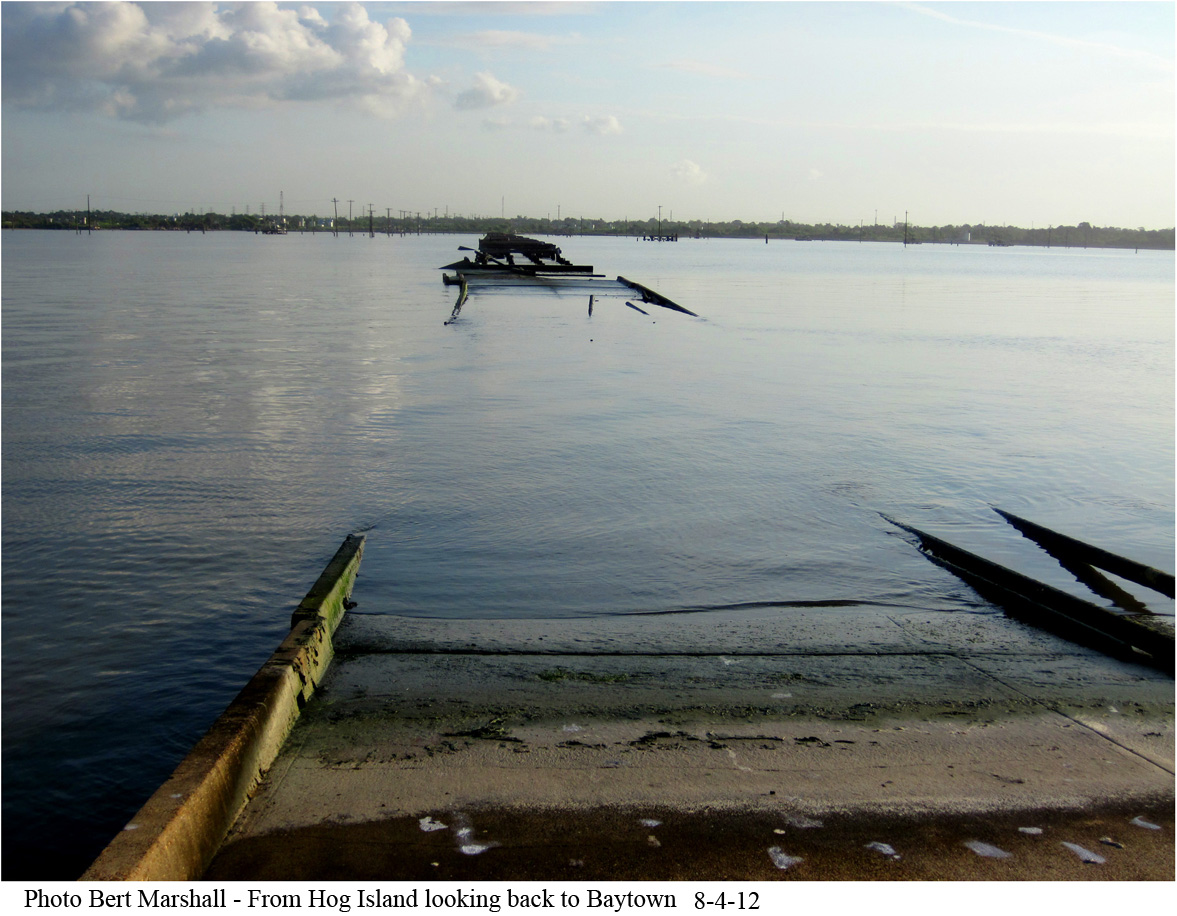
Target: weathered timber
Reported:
point(462, 295)
point(649, 295)
point(1042, 605)
point(1067, 548)
point(497, 250)
point(496, 266)
point(1103, 586)
point(500, 244)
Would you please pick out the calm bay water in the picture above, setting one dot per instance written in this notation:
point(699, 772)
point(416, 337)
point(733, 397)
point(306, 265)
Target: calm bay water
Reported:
point(192, 424)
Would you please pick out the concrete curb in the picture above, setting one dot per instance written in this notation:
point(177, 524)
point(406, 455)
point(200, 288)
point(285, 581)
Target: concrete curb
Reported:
point(177, 832)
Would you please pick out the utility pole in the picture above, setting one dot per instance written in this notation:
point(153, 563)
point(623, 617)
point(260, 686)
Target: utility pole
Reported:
point(335, 224)
point(89, 217)
point(349, 203)
point(388, 221)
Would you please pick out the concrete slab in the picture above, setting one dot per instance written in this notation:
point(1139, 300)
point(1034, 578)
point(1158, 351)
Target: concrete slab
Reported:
point(755, 721)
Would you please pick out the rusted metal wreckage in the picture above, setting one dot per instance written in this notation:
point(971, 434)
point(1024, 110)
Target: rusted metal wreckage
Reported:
point(1129, 631)
point(505, 259)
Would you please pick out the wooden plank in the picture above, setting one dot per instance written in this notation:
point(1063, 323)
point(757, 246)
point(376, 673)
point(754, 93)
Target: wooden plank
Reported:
point(1068, 548)
point(1050, 608)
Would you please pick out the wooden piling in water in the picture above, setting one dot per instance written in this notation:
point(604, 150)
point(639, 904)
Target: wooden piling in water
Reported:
point(1128, 638)
point(463, 292)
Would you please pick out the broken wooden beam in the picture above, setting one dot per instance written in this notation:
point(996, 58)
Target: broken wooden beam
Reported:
point(1129, 638)
point(1066, 548)
point(462, 294)
point(657, 298)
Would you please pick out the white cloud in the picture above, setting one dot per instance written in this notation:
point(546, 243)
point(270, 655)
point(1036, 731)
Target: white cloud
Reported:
point(602, 126)
point(689, 172)
point(556, 125)
point(486, 93)
point(154, 62)
point(816, 174)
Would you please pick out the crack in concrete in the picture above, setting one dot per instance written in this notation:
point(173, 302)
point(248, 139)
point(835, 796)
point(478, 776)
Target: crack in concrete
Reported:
point(1061, 712)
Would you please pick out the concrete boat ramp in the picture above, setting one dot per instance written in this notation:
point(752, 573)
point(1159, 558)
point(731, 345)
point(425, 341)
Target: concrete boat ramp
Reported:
point(749, 744)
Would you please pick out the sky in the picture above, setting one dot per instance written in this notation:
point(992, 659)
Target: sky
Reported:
point(1019, 113)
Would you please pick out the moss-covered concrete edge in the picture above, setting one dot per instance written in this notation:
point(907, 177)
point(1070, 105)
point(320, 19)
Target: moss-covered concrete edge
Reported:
point(178, 830)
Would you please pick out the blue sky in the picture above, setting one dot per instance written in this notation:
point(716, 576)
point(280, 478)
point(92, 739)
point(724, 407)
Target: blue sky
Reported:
point(1000, 113)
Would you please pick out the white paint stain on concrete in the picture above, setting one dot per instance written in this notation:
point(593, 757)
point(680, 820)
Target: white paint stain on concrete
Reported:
point(1141, 822)
point(1085, 855)
point(781, 859)
point(736, 763)
point(885, 848)
point(467, 846)
point(987, 851)
point(429, 825)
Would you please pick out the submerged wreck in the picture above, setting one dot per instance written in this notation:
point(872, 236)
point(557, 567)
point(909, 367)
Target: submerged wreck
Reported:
point(497, 251)
point(508, 260)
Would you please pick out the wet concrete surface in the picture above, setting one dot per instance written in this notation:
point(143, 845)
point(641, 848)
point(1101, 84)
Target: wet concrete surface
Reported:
point(548, 742)
point(670, 845)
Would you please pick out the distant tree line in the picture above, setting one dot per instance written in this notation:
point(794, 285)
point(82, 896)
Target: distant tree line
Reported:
point(1083, 235)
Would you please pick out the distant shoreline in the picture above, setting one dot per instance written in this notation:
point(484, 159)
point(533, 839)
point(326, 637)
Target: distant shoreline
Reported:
point(1132, 241)
point(1083, 235)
